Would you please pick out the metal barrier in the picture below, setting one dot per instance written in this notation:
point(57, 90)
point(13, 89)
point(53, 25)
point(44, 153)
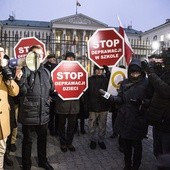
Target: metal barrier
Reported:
point(59, 47)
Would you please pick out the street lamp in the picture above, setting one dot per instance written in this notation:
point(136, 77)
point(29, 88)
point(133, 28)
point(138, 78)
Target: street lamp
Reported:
point(155, 46)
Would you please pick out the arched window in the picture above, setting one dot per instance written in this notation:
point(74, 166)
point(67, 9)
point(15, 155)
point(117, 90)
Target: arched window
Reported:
point(155, 37)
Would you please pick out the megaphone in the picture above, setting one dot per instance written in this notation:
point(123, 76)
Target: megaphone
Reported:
point(33, 61)
point(13, 62)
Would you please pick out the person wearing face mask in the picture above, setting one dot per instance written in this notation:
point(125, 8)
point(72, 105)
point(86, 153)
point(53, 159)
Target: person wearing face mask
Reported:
point(8, 87)
point(131, 121)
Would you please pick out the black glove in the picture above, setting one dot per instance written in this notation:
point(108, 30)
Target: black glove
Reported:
point(54, 96)
point(106, 68)
point(7, 73)
point(148, 67)
point(136, 102)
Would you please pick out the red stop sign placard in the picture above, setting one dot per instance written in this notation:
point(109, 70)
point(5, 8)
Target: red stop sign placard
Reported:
point(70, 79)
point(23, 45)
point(106, 47)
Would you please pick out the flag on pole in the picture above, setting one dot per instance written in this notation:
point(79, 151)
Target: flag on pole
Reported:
point(127, 45)
point(78, 4)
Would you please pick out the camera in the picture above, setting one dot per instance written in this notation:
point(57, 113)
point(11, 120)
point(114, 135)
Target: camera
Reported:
point(13, 62)
point(159, 62)
point(154, 61)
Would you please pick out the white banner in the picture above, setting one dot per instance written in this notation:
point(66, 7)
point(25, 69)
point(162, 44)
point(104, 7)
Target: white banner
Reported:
point(117, 76)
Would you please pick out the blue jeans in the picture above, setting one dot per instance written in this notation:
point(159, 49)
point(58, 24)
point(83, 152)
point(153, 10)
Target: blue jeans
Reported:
point(161, 142)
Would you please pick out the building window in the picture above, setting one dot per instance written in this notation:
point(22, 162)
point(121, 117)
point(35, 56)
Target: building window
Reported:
point(155, 37)
point(162, 38)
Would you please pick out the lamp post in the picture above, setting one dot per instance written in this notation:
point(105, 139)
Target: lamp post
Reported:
point(155, 46)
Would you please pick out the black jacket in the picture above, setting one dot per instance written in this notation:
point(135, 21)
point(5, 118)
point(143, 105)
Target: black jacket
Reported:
point(35, 88)
point(97, 103)
point(131, 122)
point(159, 110)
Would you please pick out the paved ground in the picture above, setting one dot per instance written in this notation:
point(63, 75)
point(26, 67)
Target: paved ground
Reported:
point(84, 158)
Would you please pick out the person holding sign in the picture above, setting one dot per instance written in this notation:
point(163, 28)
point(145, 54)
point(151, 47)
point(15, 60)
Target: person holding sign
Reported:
point(67, 110)
point(36, 87)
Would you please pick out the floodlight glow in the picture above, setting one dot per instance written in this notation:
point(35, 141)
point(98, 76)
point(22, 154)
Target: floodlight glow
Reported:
point(155, 45)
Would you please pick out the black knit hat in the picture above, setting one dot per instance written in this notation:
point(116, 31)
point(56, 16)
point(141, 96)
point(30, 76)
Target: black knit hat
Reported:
point(69, 54)
point(97, 68)
point(51, 56)
point(6, 57)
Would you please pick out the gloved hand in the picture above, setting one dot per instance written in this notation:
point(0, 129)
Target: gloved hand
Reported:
point(105, 94)
point(7, 73)
point(136, 102)
point(106, 68)
point(148, 67)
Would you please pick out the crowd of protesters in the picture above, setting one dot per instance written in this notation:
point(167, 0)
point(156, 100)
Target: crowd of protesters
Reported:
point(143, 99)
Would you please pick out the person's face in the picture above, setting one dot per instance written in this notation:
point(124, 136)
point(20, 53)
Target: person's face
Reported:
point(99, 72)
point(39, 52)
point(52, 60)
point(135, 74)
point(70, 58)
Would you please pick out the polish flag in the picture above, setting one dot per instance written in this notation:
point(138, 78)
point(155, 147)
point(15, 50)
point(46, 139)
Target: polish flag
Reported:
point(78, 3)
point(127, 46)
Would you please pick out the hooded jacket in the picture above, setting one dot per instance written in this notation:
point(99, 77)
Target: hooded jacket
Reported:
point(131, 121)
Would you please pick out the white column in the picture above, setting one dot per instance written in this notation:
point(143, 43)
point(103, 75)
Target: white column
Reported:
point(63, 38)
point(83, 47)
point(73, 47)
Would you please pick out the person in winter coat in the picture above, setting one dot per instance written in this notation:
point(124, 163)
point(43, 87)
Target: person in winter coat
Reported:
point(82, 115)
point(159, 110)
point(131, 122)
point(7, 87)
point(35, 90)
point(98, 107)
point(53, 123)
point(67, 112)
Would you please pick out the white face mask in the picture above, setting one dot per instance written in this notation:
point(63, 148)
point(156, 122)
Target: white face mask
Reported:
point(3, 62)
